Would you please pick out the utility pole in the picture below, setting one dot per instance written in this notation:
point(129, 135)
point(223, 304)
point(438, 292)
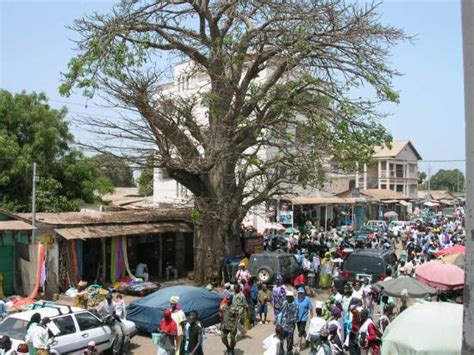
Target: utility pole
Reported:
point(467, 8)
point(33, 205)
point(429, 177)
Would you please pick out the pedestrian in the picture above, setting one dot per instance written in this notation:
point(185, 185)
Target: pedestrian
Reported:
point(274, 344)
point(253, 299)
point(287, 319)
point(242, 273)
point(264, 297)
point(6, 345)
point(180, 319)
point(315, 325)
point(42, 337)
point(305, 312)
point(229, 325)
point(193, 331)
point(278, 295)
point(324, 347)
point(368, 335)
point(3, 310)
point(106, 310)
point(335, 341)
point(91, 349)
point(240, 304)
point(119, 306)
point(169, 331)
point(34, 321)
point(325, 280)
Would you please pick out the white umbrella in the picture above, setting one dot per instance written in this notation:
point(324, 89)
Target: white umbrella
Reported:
point(433, 328)
point(273, 226)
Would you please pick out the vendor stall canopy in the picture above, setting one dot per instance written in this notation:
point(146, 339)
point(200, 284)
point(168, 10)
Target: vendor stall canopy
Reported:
point(15, 226)
point(105, 231)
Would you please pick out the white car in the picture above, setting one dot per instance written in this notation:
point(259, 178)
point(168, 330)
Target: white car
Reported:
point(77, 327)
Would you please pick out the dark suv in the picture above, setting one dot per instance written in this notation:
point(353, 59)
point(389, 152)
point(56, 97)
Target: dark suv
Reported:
point(265, 266)
point(371, 263)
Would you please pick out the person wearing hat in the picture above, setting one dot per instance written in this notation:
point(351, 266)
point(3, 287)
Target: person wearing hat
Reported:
point(368, 334)
point(305, 312)
point(106, 310)
point(242, 273)
point(179, 318)
point(91, 349)
point(287, 319)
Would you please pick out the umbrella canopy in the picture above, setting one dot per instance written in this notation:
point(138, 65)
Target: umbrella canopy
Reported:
point(441, 276)
point(390, 214)
point(455, 259)
point(453, 250)
point(414, 288)
point(147, 312)
point(433, 328)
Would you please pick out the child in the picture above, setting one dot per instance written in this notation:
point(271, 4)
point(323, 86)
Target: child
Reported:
point(91, 349)
point(119, 306)
point(263, 298)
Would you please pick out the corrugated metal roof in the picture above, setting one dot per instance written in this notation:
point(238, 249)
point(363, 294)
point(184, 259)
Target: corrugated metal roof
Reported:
point(302, 200)
point(129, 216)
point(106, 231)
point(15, 226)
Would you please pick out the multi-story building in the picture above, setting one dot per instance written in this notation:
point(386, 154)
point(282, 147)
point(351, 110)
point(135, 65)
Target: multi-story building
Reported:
point(393, 168)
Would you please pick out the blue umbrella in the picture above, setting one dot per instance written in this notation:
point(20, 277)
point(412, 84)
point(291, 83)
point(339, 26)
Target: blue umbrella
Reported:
point(148, 311)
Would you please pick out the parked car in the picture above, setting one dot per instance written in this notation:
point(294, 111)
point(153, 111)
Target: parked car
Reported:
point(277, 241)
point(370, 263)
point(77, 327)
point(265, 266)
point(376, 225)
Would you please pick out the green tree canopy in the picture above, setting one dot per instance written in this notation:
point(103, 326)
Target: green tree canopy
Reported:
point(31, 131)
point(116, 169)
point(145, 181)
point(451, 180)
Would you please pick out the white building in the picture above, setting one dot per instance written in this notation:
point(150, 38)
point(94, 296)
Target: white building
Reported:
point(394, 168)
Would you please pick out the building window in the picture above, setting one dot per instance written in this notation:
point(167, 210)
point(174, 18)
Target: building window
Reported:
point(400, 188)
point(164, 175)
point(383, 186)
point(399, 171)
point(392, 187)
point(383, 165)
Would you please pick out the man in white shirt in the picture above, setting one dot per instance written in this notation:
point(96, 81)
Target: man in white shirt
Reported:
point(40, 337)
point(180, 319)
point(317, 323)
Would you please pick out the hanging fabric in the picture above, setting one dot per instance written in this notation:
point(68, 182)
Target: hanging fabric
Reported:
point(112, 260)
point(39, 272)
point(125, 258)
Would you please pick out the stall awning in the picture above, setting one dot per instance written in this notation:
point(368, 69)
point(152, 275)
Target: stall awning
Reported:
point(404, 203)
point(115, 230)
point(333, 200)
point(431, 204)
point(390, 201)
point(15, 225)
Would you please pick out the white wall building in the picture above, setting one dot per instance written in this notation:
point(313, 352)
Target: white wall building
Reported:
point(394, 168)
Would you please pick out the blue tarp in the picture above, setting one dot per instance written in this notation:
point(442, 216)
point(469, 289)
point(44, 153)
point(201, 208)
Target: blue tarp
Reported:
point(148, 311)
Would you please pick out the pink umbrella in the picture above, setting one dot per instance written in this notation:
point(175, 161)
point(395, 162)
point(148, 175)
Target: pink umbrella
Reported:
point(453, 250)
point(440, 275)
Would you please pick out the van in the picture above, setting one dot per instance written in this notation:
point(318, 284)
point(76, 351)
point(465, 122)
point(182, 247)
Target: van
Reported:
point(369, 263)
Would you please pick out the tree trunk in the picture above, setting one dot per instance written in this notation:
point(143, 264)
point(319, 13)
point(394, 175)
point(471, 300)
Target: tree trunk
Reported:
point(214, 239)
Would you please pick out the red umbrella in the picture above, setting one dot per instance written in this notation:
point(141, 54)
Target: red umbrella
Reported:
point(441, 276)
point(453, 250)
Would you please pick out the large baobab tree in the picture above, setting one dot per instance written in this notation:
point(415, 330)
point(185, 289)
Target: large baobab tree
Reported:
point(282, 98)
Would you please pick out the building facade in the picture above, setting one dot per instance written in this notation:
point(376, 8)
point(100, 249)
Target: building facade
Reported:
point(393, 168)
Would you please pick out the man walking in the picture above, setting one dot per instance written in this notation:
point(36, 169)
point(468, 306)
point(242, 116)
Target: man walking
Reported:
point(287, 319)
point(180, 319)
point(305, 309)
point(41, 338)
point(229, 325)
